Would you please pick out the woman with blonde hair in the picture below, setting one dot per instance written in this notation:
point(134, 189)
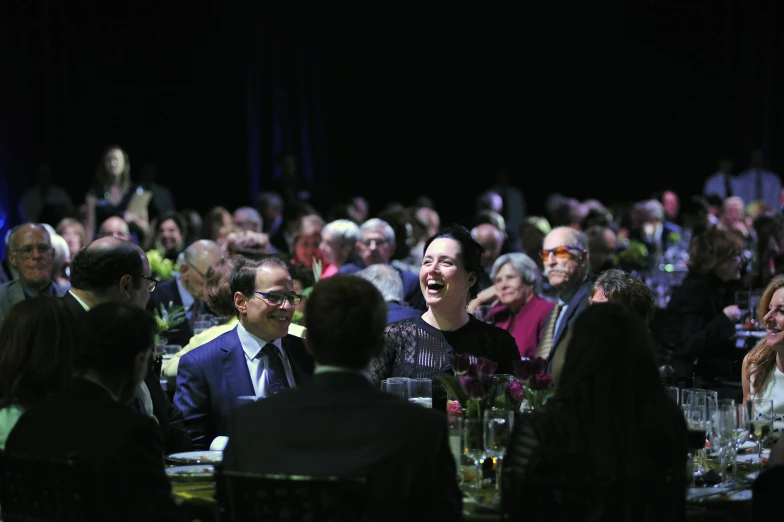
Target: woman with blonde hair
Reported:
point(763, 367)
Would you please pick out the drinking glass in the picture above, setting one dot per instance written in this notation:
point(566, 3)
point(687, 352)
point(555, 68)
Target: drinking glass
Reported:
point(474, 451)
point(420, 391)
point(200, 326)
point(171, 349)
point(498, 432)
point(455, 433)
point(760, 423)
point(674, 393)
point(725, 434)
point(396, 386)
point(695, 410)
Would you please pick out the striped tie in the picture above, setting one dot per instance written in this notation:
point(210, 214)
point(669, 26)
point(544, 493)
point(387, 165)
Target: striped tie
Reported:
point(546, 346)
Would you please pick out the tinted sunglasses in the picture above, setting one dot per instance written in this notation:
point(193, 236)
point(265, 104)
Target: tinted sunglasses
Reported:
point(560, 252)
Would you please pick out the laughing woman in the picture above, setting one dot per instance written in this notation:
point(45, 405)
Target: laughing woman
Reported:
point(763, 366)
point(422, 346)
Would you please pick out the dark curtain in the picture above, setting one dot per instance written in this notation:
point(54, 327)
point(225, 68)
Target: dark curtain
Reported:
point(289, 76)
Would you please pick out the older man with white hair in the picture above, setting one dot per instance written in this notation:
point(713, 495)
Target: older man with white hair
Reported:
point(565, 255)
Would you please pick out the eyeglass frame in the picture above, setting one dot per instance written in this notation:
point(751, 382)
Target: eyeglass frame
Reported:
point(545, 252)
point(38, 246)
point(379, 243)
point(153, 282)
point(203, 276)
point(286, 298)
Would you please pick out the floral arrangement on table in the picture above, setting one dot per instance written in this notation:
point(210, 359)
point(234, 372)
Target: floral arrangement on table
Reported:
point(162, 269)
point(469, 386)
point(674, 238)
point(168, 317)
point(634, 256)
point(299, 317)
point(531, 388)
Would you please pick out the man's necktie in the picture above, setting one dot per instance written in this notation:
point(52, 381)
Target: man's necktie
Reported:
point(546, 346)
point(276, 374)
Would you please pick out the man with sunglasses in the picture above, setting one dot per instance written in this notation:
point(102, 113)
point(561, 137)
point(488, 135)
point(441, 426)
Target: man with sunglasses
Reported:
point(565, 257)
point(187, 288)
point(31, 254)
point(256, 359)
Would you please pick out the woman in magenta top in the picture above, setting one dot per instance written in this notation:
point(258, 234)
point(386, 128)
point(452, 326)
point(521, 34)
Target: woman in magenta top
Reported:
point(514, 301)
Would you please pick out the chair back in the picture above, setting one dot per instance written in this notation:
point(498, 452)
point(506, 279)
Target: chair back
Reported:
point(252, 497)
point(38, 489)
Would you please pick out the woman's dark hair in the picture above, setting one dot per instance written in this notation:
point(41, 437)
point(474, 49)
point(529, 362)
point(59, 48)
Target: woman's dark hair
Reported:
point(711, 248)
point(216, 287)
point(470, 251)
point(37, 352)
point(178, 219)
point(111, 335)
point(213, 221)
point(611, 386)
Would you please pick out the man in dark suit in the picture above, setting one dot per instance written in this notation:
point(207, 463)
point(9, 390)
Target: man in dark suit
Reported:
point(115, 270)
point(387, 280)
point(340, 424)
point(565, 255)
point(119, 450)
point(187, 289)
point(257, 358)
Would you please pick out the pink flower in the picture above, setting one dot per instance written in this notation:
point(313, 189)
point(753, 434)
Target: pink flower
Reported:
point(454, 407)
point(515, 389)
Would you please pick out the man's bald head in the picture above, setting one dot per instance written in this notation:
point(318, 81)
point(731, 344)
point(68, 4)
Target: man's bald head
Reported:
point(111, 269)
point(492, 239)
point(193, 264)
point(116, 227)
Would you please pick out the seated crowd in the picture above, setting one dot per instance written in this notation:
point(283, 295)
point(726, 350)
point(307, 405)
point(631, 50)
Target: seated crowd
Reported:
point(310, 310)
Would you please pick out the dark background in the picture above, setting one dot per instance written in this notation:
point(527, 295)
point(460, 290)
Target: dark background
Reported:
point(611, 101)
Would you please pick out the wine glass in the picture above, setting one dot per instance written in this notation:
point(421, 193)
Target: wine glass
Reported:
point(695, 410)
point(760, 423)
point(498, 424)
point(725, 435)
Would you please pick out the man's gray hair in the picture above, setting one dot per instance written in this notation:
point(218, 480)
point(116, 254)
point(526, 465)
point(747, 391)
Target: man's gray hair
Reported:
point(386, 279)
point(524, 266)
point(374, 223)
point(344, 230)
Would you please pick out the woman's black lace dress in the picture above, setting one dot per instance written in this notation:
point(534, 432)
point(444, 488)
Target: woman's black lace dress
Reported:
point(413, 348)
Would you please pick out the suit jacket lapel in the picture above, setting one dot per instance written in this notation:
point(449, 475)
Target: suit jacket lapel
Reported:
point(238, 377)
point(574, 306)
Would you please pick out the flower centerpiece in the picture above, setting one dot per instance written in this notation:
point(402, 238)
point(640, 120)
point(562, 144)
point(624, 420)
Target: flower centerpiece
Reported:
point(168, 317)
point(532, 389)
point(469, 386)
point(162, 268)
point(634, 256)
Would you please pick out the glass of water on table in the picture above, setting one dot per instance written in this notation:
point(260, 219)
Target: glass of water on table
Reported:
point(420, 391)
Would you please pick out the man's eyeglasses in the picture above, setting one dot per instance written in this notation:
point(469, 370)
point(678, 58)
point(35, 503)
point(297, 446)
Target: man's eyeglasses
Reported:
point(278, 299)
point(375, 243)
point(560, 252)
point(153, 282)
point(203, 276)
point(27, 250)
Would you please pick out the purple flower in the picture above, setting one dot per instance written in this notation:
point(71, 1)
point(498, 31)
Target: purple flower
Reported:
point(541, 381)
point(526, 368)
point(476, 388)
point(515, 389)
point(460, 364)
point(485, 368)
point(473, 371)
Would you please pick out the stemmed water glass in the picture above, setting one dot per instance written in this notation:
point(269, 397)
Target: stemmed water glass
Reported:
point(726, 433)
point(498, 423)
point(759, 422)
point(695, 410)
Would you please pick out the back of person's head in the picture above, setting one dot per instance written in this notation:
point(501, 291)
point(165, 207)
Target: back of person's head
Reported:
point(36, 358)
point(626, 290)
point(610, 386)
point(346, 320)
point(100, 266)
point(111, 336)
point(216, 287)
point(246, 243)
point(470, 251)
point(711, 248)
point(386, 279)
